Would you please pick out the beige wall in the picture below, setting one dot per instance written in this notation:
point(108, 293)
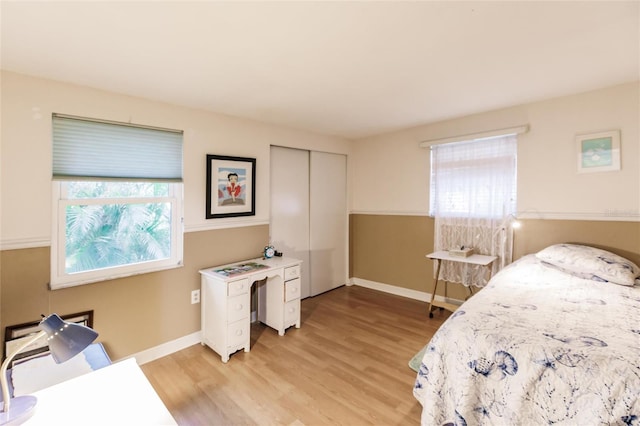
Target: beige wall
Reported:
point(391, 249)
point(388, 177)
point(390, 185)
point(27, 105)
point(140, 312)
point(619, 237)
point(390, 173)
point(130, 314)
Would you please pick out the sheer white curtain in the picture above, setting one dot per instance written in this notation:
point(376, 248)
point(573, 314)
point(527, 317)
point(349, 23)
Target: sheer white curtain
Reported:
point(473, 198)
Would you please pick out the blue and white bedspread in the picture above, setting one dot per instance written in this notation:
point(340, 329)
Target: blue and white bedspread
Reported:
point(536, 346)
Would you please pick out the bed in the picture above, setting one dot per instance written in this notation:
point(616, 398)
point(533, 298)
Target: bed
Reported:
point(553, 338)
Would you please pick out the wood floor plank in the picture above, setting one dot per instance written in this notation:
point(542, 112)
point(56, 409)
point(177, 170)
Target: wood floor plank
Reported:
point(346, 365)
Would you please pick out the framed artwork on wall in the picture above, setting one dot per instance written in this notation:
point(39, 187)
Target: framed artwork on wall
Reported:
point(231, 183)
point(15, 335)
point(598, 152)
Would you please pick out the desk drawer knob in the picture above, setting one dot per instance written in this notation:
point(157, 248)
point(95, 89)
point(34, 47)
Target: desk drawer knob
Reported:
point(239, 307)
point(238, 332)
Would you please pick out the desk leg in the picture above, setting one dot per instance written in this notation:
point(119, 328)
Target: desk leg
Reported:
point(435, 286)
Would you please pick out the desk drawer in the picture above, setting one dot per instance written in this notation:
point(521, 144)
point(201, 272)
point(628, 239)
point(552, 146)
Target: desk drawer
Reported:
point(238, 334)
point(292, 290)
point(238, 308)
point(291, 312)
point(291, 272)
point(238, 287)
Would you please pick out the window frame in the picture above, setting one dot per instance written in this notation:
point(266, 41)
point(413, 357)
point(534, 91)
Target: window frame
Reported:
point(60, 201)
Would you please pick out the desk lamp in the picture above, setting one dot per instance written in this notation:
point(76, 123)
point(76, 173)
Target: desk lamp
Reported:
point(66, 340)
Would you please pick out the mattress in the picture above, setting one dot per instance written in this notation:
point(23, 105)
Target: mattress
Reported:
point(538, 345)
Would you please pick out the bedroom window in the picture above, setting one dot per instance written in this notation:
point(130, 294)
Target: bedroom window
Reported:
point(117, 200)
point(474, 178)
point(473, 198)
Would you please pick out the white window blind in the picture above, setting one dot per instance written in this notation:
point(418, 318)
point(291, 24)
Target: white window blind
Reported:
point(91, 149)
point(474, 178)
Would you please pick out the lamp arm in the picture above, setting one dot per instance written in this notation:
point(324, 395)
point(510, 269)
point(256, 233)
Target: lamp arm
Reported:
point(3, 370)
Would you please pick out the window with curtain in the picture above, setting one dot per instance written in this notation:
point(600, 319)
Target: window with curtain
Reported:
point(117, 200)
point(473, 198)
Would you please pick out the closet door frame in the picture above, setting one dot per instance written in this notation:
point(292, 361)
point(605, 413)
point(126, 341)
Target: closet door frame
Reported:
point(286, 225)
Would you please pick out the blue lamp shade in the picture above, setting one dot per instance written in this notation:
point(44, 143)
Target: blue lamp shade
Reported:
point(66, 339)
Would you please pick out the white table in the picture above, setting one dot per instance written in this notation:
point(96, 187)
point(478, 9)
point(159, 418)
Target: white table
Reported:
point(439, 256)
point(226, 302)
point(119, 394)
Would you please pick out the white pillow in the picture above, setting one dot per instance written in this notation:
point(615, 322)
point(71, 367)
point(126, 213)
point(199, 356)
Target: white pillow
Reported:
point(584, 260)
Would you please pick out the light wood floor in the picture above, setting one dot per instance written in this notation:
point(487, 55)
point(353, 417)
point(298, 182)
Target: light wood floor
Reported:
point(347, 365)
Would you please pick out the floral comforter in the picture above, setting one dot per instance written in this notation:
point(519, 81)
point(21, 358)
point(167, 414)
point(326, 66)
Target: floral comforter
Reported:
point(536, 346)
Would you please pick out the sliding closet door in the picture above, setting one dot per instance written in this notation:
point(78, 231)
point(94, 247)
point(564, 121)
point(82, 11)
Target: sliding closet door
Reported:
point(328, 221)
point(289, 228)
point(309, 215)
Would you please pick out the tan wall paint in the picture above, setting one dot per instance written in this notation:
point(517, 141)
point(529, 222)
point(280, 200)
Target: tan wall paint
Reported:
point(622, 238)
point(134, 313)
point(391, 249)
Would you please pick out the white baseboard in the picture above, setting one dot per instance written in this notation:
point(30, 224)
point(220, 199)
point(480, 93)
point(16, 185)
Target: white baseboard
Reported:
point(422, 296)
point(166, 348)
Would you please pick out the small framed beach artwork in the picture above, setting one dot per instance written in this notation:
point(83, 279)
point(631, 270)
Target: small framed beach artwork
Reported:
point(231, 183)
point(598, 152)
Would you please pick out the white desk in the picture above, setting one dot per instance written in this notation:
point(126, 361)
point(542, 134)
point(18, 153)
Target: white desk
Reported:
point(439, 256)
point(119, 394)
point(226, 302)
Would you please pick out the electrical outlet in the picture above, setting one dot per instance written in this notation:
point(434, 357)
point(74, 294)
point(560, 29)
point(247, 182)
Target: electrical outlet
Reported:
point(195, 297)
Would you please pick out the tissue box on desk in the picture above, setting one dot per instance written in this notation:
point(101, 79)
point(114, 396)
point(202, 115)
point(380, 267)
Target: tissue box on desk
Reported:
point(461, 252)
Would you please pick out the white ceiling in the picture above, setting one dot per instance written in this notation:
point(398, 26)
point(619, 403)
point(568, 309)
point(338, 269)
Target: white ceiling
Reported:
point(350, 69)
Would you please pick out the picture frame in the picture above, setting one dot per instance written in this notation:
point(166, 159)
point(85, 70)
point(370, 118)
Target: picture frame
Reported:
point(598, 152)
point(231, 184)
point(15, 335)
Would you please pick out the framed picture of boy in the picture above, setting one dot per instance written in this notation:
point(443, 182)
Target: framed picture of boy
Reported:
point(231, 185)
